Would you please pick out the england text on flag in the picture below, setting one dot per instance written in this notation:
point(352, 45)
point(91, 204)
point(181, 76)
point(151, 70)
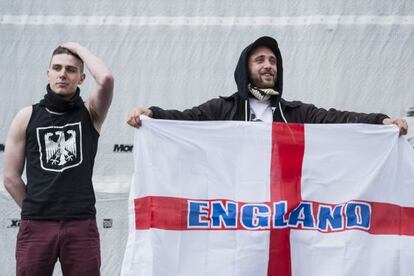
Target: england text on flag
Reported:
point(236, 198)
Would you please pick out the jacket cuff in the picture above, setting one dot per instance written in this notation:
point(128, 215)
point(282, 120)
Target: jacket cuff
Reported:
point(156, 112)
point(380, 118)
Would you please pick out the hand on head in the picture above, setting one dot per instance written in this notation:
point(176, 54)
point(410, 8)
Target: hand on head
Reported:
point(71, 46)
point(399, 122)
point(134, 119)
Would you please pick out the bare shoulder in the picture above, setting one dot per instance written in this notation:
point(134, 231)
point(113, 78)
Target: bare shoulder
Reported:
point(14, 152)
point(22, 118)
point(25, 113)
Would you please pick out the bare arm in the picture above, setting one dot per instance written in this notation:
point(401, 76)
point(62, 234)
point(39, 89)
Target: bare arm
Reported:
point(14, 156)
point(101, 97)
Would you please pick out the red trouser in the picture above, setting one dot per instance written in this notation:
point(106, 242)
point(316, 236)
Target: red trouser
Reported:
point(74, 242)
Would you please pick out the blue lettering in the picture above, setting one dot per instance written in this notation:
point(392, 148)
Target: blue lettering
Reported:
point(221, 215)
point(280, 210)
point(255, 216)
point(198, 214)
point(358, 215)
point(302, 215)
point(330, 219)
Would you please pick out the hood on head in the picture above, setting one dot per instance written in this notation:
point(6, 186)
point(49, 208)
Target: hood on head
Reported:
point(241, 74)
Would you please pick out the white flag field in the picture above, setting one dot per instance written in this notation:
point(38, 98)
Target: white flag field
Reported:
point(245, 198)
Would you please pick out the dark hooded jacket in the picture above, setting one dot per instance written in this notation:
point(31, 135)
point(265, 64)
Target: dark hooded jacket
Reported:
point(237, 108)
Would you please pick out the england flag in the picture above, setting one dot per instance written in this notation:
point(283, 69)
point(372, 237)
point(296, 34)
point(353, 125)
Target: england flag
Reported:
point(248, 198)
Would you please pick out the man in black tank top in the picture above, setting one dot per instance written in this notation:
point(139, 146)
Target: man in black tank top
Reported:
point(58, 138)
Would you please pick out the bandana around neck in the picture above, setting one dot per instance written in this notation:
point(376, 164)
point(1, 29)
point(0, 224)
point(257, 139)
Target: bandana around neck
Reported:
point(262, 94)
point(55, 103)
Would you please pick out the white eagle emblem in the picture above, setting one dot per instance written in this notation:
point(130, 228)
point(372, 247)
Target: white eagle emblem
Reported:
point(62, 150)
point(60, 147)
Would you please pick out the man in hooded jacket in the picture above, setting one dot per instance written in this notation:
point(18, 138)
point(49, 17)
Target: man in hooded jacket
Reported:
point(259, 79)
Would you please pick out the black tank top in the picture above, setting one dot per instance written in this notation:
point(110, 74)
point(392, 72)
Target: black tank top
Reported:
point(60, 154)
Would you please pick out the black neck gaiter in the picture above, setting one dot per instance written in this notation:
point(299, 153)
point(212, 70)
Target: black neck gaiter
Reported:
point(55, 103)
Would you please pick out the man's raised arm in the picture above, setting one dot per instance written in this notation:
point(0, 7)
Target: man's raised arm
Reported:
point(101, 97)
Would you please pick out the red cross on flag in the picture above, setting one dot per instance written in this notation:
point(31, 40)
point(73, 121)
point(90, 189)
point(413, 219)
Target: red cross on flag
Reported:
point(237, 198)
